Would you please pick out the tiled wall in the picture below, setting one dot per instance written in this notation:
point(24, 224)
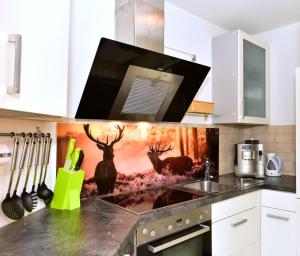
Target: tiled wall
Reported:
point(229, 135)
point(280, 139)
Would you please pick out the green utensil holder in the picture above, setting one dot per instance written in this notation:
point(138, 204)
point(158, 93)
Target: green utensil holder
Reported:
point(67, 189)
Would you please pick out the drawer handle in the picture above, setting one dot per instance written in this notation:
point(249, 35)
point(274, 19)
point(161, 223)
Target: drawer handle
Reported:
point(14, 88)
point(277, 217)
point(236, 224)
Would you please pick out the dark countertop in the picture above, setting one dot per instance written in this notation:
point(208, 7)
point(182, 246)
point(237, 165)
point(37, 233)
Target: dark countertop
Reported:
point(284, 183)
point(95, 229)
point(98, 228)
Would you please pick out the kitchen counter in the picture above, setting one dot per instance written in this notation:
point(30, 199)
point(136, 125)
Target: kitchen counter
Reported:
point(95, 229)
point(98, 228)
point(284, 183)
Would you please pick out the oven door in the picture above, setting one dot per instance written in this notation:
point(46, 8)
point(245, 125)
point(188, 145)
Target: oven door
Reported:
point(194, 241)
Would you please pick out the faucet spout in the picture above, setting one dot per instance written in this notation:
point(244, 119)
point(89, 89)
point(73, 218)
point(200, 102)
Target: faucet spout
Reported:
point(207, 170)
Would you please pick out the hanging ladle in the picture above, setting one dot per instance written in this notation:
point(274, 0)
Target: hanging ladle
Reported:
point(25, 196)
point(50, 192)
point(8, 207)
point(43, 191)
point(42, 162)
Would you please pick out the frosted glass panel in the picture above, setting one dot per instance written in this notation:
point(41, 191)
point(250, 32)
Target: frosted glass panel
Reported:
point(254, 80)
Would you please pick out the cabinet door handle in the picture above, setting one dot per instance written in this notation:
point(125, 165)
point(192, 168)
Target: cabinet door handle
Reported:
point(277, 217)
point(240, 222)
point(14, 88)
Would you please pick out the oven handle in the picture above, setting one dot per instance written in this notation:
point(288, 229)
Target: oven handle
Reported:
point(161, 247)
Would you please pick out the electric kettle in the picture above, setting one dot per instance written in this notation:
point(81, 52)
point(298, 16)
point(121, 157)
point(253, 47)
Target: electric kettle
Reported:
point(273, 167)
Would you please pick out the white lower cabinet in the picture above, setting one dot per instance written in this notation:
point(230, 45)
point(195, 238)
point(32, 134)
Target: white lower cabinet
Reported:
point(253, 249)
point(278, 228)
point(237, 233)
point(258, 223)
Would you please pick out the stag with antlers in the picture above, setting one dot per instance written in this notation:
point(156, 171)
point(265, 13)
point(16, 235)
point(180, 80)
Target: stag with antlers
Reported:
point(176, 165)
point(105, 173)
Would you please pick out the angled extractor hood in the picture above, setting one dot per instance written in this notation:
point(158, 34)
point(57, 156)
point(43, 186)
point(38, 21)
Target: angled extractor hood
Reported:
point(130, 83)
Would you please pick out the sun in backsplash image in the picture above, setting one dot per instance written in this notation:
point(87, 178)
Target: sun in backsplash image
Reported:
point(121, 157)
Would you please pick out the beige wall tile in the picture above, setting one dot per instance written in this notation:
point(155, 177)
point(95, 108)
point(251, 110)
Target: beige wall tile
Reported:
point(276, 138)
point(287, 157)
point(284, 138)
point(289, 167)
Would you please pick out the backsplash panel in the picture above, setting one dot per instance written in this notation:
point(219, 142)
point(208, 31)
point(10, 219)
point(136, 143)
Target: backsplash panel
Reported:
point(131, 156)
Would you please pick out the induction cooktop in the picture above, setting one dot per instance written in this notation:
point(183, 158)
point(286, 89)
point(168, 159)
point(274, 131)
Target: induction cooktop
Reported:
point(150, 199)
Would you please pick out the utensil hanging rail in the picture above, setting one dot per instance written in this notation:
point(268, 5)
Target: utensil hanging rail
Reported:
point(23, 134)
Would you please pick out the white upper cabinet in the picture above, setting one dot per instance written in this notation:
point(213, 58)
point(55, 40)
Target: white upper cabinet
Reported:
point(240, 79)
point(89, 21)
point(34, 43)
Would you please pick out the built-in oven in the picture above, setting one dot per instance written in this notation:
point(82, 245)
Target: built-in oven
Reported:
point(181, 234)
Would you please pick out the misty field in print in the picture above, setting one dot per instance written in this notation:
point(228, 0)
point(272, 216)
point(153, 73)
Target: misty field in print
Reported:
point(121, 157)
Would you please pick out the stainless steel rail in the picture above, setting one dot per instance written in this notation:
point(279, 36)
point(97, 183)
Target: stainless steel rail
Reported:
point(23, 134)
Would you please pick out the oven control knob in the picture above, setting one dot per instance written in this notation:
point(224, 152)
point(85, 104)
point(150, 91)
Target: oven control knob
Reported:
point(170, 227)
point(153, 233)
point(201, 217)
point(145, 231)
point(187, 221)
point(206, 211)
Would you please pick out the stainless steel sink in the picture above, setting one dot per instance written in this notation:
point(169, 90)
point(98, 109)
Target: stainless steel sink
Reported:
point(208, 186)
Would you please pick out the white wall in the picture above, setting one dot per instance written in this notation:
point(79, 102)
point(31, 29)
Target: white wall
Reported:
point(284, 45)
point(89, 21)
point(15, 125)
point(187, 32)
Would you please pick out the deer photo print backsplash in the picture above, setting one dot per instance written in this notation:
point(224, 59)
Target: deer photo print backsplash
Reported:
point(120, 157)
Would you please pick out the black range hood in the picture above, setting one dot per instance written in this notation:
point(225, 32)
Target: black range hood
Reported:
point(134, 84)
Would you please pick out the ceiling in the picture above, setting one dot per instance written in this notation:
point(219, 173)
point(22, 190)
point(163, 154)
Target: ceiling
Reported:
point(251, 16)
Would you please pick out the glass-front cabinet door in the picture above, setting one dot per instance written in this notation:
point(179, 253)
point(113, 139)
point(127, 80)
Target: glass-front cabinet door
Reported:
point(240, 79)
point(254, 86)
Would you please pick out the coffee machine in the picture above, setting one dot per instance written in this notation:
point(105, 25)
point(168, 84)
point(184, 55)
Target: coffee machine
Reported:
point(249, 159)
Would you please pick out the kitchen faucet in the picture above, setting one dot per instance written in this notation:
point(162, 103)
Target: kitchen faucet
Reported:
point(207, 170)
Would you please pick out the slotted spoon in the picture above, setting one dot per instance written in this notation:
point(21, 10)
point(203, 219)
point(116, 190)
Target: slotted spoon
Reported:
point(11, 210)
point(25, 196)
point(15, 198)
